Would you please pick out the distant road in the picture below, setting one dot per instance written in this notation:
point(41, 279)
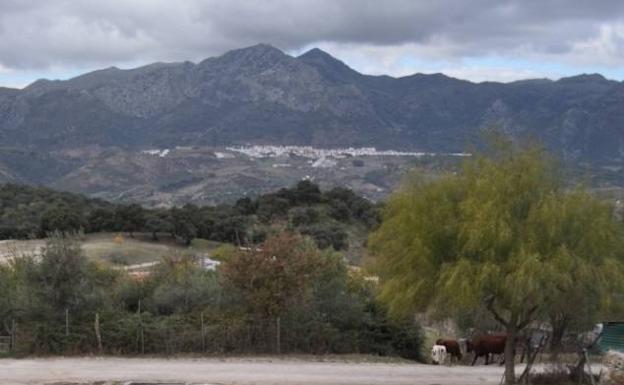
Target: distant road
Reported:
point(258, 371)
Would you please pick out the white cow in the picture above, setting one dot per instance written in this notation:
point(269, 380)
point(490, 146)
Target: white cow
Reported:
point(438, 354)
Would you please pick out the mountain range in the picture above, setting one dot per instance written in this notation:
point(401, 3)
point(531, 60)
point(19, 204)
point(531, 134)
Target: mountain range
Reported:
point(261, 95)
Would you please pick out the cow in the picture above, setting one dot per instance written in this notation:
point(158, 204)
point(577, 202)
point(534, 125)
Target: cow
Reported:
point(438, 354)
point(485, 345)
point(452, 348)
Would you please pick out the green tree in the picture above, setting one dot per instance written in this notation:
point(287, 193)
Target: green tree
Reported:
point(8, 297)
point(271, 207)
point(305, 193)
point(578, 225)
point(102, 219)
point(246, 206)
point(61, 218)
point(184, 223)
point(158, 223)
point(504, 234)
point(304, 216)
point(61, 279)
point(130, 218)
point(180, 285)
point(327, 235)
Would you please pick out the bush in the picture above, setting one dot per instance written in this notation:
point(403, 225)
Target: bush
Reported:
point(321, 306)
point(118, 259)
point(327, 236)
point(304, 216)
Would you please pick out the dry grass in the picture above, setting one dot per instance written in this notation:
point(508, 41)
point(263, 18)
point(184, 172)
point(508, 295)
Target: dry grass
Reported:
point(553, 377)
point(113, 248)
point(616, 378)
point(129, 251)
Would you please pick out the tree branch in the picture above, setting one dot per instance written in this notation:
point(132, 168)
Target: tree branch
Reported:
point(489, 304)
point(528, 318)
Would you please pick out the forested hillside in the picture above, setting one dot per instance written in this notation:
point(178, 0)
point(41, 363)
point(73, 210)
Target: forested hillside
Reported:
point(336, 218)
point(288, 280)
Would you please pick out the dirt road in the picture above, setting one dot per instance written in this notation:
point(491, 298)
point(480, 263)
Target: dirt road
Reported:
point(239, 371)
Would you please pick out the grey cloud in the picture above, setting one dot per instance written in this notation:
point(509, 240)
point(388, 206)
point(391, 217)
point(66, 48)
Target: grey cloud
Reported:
point(40, 34)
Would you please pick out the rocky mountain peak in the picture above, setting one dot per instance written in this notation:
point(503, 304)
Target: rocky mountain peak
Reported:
point(585, 78)
point(329, 66)
point(318, 55)
point(255, 55)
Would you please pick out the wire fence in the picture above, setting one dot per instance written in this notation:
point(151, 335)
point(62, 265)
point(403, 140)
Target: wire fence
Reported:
point(144, 333)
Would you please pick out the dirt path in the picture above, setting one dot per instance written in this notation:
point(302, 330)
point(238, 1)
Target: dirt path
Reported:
point(239, 371)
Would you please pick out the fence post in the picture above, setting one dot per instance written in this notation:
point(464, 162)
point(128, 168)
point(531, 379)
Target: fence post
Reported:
point(279, 335)
point(66, 322)
point(98, 336)
point(203, 333)
point(13, 335)
point(142, 336)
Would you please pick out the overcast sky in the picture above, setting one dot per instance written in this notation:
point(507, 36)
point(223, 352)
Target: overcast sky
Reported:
point(471, 39)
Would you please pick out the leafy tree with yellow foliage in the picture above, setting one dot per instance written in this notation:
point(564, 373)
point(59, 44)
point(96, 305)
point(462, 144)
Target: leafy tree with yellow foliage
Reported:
point(505, 234)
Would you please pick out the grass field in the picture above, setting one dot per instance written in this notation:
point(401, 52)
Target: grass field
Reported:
point(115, 248)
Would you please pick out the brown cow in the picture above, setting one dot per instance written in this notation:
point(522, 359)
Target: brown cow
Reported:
point(485, 345)
point(452, 348)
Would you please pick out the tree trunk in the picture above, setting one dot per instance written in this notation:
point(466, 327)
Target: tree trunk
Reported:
point(559, 325)
point(510, 350)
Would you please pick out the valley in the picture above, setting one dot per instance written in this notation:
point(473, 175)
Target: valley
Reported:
point(165, 177)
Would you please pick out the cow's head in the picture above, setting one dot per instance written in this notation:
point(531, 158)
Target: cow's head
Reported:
point(469, 346)
point(438, 354)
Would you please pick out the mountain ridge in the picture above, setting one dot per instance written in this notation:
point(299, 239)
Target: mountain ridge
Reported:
point(260, 95)
point(318, 52)
point(262, 83)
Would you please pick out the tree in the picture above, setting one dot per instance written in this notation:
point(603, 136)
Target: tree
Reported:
point(184, 221)
point(158, 223)
point(180, 285)
point(503, 234)
point(101, 219)
point(61, 218)
point(61, 277)
point(130, 218)
point(305, 192)
point(8, 297)
point(276, 275)
point(246, 206)
point(586, 227)
point(271, 206)
point(327, 235)
point(304, 216)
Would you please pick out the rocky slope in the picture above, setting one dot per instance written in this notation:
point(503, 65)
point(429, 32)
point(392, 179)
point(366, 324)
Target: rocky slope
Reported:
point(260, 95)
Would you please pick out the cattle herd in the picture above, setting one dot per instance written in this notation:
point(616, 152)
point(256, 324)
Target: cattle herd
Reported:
point(448, 350)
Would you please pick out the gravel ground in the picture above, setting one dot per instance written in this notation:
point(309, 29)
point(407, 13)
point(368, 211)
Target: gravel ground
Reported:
point(239, 371)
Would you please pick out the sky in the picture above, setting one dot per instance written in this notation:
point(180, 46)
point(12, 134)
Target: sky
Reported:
point(478, 40)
